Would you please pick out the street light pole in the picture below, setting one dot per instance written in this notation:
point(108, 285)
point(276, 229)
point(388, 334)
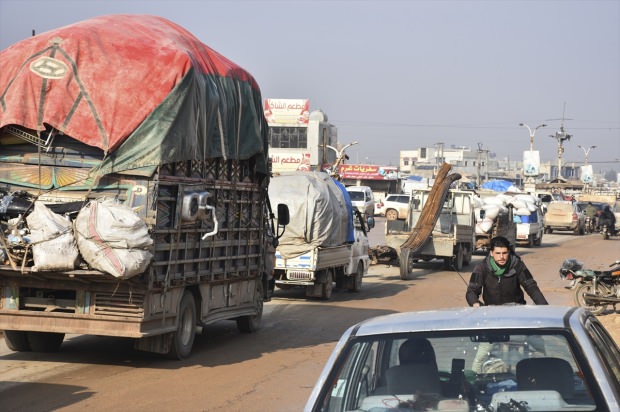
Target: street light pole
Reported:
point(340, 156)
point(532, 133)
point(586, 152)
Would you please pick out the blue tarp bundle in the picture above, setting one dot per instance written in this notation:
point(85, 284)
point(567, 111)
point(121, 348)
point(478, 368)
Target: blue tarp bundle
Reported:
point(499, 186)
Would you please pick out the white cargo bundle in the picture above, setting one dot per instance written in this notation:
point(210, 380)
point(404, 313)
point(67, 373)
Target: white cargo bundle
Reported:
point(493, 206)
point(112, 238)
point(52, 240)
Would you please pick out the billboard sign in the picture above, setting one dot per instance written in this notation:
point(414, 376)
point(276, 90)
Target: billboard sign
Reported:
point(292, 112)
point(368, 172)
point(531, 163)
point(587, 174)
point(289, 161)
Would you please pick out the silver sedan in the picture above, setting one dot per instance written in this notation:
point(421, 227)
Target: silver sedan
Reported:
point(494, 358)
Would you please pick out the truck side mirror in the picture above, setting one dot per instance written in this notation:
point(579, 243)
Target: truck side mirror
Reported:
point(482, 213)
point(283, 215)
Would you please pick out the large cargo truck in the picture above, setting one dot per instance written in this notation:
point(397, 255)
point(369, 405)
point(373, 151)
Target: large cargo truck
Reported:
point(133, 187)
point(326, 242)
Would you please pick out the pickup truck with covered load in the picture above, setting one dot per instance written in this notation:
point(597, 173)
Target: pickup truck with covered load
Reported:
point(133, 187)
point(326, 241)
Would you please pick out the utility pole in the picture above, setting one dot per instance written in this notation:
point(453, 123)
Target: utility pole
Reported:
point(478, 182)
point(561, 136)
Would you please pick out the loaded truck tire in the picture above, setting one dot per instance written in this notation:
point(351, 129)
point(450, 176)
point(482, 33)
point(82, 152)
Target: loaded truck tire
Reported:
point(328, 287)
point(45, 341)
point(183, 338)
point(17, 340)
point(354, 282)
point(538, 240)
point(252, 323)
point(467, 253)
point(457, 260)
point(404, 264)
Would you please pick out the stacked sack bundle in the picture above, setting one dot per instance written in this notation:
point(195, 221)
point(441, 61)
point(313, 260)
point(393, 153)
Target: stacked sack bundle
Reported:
point(524, 205)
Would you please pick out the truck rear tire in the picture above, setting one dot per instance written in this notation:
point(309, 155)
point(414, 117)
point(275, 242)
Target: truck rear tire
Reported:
point(404, 264)
point(252, 323)
point(183, 338)
point(355, 281)
point(391, 214)
point(458, 258)
point(467, 253)
point(45, 341)
point(17, 340)
point(538, 240)
point(328, 286)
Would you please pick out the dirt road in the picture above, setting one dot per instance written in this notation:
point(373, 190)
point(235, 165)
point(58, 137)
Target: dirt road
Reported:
point(271, 370)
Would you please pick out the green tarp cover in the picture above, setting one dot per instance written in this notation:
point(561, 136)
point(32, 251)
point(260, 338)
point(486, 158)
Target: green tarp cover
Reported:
point(141, 88)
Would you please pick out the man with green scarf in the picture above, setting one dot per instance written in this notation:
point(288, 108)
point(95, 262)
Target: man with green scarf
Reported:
point(501, 278)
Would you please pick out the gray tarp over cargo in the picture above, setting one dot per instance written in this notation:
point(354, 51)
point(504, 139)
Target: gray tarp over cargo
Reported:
point(317, 208)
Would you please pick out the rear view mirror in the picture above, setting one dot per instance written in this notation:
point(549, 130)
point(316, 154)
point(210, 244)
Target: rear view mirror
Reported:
point(283, 215)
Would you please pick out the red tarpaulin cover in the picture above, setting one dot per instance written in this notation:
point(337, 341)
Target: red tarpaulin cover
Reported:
point(98, 80)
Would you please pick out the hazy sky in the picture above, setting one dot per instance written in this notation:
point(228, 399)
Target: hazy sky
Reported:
point(396, 75)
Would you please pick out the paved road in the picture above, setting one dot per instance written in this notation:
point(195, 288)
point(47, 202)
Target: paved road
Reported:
point(271, 370)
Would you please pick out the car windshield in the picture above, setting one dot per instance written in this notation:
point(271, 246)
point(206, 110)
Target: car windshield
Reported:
point(356, 196)
point(582, 206)
point(482, 371)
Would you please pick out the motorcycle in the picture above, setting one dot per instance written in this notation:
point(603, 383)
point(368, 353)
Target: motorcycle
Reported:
point(590, 224)
point(593, 290)
point(606, 231)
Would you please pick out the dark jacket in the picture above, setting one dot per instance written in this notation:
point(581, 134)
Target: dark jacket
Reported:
point(507, 288)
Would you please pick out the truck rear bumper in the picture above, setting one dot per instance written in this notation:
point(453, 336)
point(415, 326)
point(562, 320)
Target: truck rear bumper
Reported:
point(88, 325)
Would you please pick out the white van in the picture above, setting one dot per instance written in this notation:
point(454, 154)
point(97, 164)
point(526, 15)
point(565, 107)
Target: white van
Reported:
point(362, 199)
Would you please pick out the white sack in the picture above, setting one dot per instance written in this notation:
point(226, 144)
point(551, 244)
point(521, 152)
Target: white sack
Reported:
point(112, 238)
point(485, 225)
point(491, 212)
point(522, 211)
point(53, 243)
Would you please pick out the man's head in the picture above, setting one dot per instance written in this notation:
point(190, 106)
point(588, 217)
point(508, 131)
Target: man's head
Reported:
point(500, 250)
point(589, 203)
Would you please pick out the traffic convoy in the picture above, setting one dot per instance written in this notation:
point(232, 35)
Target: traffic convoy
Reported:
point(139, 203)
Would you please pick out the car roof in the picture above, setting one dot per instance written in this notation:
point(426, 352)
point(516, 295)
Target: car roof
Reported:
point(467, 318)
